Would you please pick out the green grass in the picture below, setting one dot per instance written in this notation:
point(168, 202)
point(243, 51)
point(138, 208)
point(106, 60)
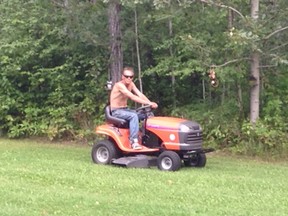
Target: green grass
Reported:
point(38, 178)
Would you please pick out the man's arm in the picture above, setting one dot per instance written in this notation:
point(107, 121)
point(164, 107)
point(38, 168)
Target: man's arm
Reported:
point(140, 94)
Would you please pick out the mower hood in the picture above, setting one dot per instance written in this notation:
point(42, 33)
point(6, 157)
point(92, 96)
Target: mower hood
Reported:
point(171, 123)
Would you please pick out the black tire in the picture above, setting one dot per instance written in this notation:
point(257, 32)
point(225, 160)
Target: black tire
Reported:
point(169, 161)
point(198, 160)
point(103, 152)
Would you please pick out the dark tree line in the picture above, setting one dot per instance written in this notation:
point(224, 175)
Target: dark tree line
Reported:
point(56, 57)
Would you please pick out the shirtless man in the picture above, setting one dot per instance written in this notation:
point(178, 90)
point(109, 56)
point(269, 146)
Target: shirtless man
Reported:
point(120, 93)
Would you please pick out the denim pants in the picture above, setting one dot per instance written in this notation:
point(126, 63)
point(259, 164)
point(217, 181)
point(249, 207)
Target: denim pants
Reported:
point(133, 119)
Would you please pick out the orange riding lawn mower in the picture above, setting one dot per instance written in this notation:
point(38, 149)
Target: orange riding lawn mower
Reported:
point(167, 142)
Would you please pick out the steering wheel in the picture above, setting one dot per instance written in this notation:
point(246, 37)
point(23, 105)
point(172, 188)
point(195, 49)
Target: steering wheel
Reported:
point(143, 108)
point(144, 112)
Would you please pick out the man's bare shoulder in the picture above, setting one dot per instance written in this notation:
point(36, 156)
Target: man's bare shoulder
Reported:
point(116, 85)
point(119, 83)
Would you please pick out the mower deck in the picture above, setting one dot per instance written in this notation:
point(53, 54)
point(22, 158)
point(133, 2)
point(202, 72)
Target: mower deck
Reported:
point(137, 161)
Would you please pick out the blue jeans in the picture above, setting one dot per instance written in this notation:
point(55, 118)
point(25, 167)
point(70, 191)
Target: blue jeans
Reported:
point(133, 119)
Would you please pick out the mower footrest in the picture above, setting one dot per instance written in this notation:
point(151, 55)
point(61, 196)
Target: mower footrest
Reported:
point(139, 161)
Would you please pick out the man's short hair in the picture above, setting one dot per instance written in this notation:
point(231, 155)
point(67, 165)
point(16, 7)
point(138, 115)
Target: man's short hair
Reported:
point(128, 68)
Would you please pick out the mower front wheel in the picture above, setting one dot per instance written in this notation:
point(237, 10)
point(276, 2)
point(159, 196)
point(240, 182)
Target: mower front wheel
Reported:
point(103, 152)
point(197, 160)
point(169, 161)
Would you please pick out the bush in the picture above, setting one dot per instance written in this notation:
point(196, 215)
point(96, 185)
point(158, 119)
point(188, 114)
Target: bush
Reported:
point(224, 130)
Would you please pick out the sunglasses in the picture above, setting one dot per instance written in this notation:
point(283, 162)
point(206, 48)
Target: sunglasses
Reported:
point(131, 77)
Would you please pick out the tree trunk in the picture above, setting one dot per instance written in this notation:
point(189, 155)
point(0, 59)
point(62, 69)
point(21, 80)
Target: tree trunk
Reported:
point(230, 19)
point(172, 70)
point(137, 50)
point(255, 73)
point(116, 55)
point(240, 100)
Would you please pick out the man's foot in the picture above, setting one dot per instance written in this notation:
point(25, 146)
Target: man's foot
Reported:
point(136, 146)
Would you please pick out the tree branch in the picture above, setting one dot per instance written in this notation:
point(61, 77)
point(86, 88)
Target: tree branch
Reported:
point(229, 62)
point(267, 66)
point(278, 47)
point(222, 6)
point(58, 4)
point(275, 32)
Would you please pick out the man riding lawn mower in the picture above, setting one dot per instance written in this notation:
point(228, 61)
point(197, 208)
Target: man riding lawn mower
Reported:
point(161, 141)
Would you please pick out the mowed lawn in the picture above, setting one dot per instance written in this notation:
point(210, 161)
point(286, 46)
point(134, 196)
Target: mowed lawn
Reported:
point(38, 178)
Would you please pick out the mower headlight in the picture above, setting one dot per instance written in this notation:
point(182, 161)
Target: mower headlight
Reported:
point(184, 128)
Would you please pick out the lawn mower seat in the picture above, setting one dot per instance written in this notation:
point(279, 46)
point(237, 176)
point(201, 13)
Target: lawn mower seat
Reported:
point(121, 123)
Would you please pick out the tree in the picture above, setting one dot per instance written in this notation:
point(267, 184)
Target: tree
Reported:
point(116, 55)
point(138, 49)
point(255, 73)
point(49, 68)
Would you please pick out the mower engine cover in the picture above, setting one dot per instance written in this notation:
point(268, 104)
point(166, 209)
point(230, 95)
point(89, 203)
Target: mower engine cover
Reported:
point(176, 133)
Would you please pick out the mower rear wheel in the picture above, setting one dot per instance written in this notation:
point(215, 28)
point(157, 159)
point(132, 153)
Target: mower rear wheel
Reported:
point(197, 160)
point(169, 161)
point(103, 152)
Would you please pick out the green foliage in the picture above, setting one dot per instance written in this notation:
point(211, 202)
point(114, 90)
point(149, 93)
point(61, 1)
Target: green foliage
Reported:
point(49, 79)
point(223, 129)
point(262, 139)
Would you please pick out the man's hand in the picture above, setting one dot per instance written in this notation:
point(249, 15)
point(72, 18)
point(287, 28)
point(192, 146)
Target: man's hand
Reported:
point(153, 105)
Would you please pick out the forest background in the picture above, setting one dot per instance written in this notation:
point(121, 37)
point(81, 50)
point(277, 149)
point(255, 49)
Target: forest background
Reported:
point(56, 57)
